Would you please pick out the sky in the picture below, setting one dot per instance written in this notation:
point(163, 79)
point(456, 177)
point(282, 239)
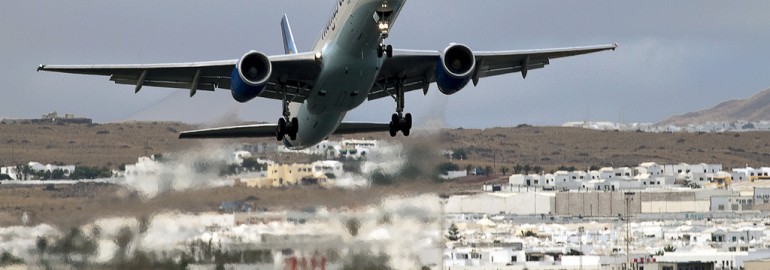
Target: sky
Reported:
point(674, 57)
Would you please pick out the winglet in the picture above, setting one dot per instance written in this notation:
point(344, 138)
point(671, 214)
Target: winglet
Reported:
point(288, 38)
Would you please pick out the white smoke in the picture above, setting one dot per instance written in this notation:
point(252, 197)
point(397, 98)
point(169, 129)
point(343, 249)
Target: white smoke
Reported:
point(20, 241)
point(388, 159)
point(191, 169)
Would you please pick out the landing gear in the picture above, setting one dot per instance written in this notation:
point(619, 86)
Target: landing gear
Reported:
point(285, 128)
point(286, 125)
point(399, 121)
point(384, 50)
point(383, 25)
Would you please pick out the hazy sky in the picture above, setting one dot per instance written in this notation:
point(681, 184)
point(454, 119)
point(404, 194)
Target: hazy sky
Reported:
point(674, 56)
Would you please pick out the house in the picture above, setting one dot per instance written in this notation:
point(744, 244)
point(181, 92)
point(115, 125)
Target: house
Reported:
point(730, 203)
point(761, 195)
point(754, 174)
point(651, 168)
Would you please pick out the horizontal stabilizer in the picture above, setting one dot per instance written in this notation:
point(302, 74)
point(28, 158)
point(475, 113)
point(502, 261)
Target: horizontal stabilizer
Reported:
point(245, 131)
point(268, 130)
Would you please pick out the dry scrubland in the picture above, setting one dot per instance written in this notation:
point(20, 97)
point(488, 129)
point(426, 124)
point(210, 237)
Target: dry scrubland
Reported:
point(67, 206)
point(119, 143)
point(549, 147)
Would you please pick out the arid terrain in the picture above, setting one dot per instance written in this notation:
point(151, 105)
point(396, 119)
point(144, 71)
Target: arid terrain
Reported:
point(113, 144)
point(121, 143)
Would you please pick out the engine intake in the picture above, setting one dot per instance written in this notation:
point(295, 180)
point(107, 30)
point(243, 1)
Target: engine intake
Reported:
point(457, 65)
point(250, 76)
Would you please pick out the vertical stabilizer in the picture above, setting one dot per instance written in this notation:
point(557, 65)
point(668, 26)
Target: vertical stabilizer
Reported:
point(288, 38)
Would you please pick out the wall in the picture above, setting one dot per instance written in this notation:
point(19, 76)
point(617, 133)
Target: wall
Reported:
point(614, 203)
point(493, 203)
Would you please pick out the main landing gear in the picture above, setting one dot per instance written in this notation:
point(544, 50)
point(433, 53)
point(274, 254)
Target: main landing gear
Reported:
point(399, 121)
point(286, 125)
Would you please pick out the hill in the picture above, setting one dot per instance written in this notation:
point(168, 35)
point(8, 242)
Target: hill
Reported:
point(753, 109)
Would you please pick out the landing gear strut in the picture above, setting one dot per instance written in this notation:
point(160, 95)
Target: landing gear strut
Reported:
point(286, 125)
point(399, 121)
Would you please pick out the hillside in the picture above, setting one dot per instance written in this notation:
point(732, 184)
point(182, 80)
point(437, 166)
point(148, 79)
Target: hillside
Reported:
point(753, 109)
point(114, 144)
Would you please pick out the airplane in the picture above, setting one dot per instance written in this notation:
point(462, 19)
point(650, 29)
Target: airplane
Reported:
point(349, 64)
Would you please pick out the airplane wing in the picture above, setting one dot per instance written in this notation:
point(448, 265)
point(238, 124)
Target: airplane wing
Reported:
point(299, 71)
point(268, 130)
point(416, 69)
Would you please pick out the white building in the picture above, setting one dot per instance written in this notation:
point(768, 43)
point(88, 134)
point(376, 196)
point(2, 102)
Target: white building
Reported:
point(753, 174)
point(651, 168)
point(326, 167)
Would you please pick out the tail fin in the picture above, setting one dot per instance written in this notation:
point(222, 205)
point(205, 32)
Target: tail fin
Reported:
point(288, 38)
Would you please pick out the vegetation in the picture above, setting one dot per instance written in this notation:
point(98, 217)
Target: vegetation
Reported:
point(445, 167)
point(365, 260)
point(75, 243)
point(85, 172)
point(252, 164)
point(574, 252)
point(8, 259)
point(459, 154)
point(454, 233)
point(353, 225)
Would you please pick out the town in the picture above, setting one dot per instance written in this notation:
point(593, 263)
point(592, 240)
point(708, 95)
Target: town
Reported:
point(652, 216)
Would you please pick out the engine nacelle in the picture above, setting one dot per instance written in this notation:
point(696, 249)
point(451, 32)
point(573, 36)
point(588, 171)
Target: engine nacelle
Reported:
point(457, 64)
point(250, 76)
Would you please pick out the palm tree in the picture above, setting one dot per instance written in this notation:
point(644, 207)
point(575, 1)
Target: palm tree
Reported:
point(518, 168)
point(504, 170)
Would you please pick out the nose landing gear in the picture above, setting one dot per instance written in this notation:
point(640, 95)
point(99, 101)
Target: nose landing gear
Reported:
point(385, 50)
point(286, 125)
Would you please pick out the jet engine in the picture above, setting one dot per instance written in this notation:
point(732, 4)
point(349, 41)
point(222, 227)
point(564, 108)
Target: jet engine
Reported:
point(457, 64)
point(250, 76)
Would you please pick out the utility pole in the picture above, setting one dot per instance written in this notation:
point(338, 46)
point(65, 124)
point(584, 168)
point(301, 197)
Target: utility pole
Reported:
point(629, 197)
point(581, 229)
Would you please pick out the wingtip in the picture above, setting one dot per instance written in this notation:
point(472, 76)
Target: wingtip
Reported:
point(40, 67)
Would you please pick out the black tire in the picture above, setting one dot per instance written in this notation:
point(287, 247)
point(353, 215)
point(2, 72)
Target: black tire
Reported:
point(278, 135)
point(294, 126)
point(379, 51)
point(389, 51)
point(406, 132)
point(396, 121)
point(392, 130)
point(281, 129)
point(408, 121)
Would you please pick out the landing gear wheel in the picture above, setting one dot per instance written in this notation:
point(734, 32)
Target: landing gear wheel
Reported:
point(293, 128)
point(380, 51)
point(394, 125)
point(281, 129)
point(408, 121)
point(389, 51)
point(406, 124)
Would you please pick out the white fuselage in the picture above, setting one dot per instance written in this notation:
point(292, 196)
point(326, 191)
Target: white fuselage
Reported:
point(349, 67)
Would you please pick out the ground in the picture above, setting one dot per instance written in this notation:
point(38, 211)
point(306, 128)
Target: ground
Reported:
point(121, 143)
